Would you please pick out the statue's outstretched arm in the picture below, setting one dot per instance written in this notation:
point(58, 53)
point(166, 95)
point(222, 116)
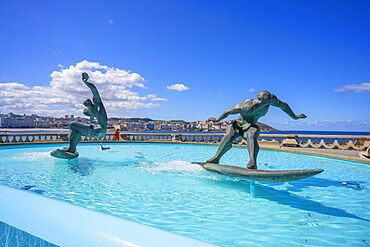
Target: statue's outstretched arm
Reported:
point(285, 107)
point(234, 110)
point(94, 90)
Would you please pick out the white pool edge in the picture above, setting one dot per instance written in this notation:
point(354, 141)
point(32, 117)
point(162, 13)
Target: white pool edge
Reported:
point(65, 224)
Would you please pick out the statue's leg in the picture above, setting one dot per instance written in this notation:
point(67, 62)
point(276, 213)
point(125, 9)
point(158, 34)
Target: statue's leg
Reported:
point(74, 136)
point(225, 145)
point(251, 136)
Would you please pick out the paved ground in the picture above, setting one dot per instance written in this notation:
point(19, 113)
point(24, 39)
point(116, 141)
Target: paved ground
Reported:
point(331, 153)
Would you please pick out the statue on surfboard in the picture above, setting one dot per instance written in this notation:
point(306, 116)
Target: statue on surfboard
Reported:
point(245, 126)
point(95, 110)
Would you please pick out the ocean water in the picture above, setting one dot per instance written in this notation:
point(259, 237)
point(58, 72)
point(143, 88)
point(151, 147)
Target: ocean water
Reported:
point(157, 185)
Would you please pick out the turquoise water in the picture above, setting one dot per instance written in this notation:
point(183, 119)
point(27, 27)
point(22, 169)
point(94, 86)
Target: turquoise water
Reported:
point(156, 185)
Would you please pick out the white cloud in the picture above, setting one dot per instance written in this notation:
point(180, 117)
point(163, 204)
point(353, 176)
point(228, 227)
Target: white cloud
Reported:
point(66, 91)
point(251, 90)
point(57, 52)
point(110, 21)
point(178, 87)
point(153, 97)
point(357, 88)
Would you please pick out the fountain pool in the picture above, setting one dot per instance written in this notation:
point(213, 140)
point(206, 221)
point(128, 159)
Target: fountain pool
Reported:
point(157, 185)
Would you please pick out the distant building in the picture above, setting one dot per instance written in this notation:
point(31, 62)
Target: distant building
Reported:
point(117, 126)
point(177, 127)
point(135, 126)
point(150, 126)
point(124, 127)
point(203, 125)
point(4, 122)
point(165, 127)
point(190, 126)
point(39, 123)
point(14, 121)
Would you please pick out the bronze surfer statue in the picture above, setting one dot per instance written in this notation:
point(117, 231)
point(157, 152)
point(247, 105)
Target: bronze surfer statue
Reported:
point(95, 110)
point(246, 126)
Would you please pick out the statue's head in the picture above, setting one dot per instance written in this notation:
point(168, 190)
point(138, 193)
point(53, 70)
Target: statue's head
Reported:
point(88, 103)
point(264, 96)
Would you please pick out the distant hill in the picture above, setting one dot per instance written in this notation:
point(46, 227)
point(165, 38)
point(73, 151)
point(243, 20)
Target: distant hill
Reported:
point(265, 127)
point(139, 119)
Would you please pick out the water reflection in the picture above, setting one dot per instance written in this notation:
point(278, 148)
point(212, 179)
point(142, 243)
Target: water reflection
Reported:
point(82, 166)
point(284, 197)
point(298, 186)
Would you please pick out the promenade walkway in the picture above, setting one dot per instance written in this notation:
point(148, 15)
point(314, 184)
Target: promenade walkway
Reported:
point(351, 155)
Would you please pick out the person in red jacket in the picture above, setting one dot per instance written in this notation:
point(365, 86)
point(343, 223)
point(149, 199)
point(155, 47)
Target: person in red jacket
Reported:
point(116, 135)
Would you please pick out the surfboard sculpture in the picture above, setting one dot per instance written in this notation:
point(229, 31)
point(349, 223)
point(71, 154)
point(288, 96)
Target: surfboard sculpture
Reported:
point(260, 175)
point(246, 127)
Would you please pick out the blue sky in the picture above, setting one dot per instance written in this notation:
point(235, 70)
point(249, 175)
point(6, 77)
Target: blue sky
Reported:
point(315, 55)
